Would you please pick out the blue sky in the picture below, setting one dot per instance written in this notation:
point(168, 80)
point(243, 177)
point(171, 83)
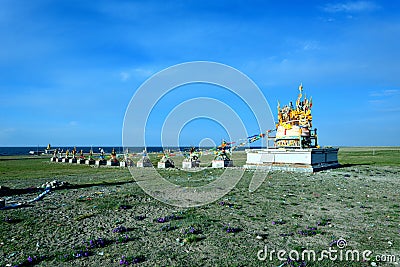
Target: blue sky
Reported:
point(68, 69)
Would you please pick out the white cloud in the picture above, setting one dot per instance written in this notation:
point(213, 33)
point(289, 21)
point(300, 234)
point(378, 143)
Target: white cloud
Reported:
point(124, 76)
point(143, 72)
point(385, 101)
point(377, 102)
point(137, 72)
point(7, 130)
point(310, 45)
point(349, 7)
point(385, 93)
point(391, 92)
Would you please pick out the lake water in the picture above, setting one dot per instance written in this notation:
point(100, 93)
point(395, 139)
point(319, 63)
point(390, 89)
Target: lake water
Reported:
point(12, 151)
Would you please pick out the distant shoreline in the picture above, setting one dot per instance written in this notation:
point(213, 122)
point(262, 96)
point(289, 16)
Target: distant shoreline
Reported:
point(24, 150)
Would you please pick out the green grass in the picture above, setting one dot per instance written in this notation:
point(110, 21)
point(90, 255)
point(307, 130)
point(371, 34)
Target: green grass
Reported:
point(15, 171)
point(358, 202)
point(378, 156)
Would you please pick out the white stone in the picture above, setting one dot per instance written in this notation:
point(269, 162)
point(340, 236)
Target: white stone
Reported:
point(190, 164)
point(90, 162)
point(101, 162)
point(144, 162)
point(164, 165)
point(222, 163)
point(112, 163)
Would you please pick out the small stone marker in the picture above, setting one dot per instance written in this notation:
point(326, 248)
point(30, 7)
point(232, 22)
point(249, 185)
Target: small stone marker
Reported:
point(191, 160)
point(222, 158)
point(90, 162)
point(190, 164)
point(144, 161)
point(166, 161)
point(222, 163)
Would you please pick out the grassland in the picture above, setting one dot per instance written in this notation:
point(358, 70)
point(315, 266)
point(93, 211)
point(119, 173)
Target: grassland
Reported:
point(104, 215)
point(379, 156)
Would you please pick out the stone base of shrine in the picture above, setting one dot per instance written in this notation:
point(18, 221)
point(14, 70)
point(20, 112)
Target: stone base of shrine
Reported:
point(296, 160)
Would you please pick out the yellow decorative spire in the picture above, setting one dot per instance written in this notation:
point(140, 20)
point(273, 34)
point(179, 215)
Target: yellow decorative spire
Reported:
point(300, 95)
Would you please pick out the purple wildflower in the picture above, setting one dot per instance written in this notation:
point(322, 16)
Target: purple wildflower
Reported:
point(138, 259)
point(125, 207)
point(128, 260)
point(308, 232)
point(97, 243)
point(161, 220)
point(123, 261)
point(168, 218)
point(120, 229)
point(230, 229)
point(191, 230)
point(324, 222)
point(81, 254)
point(278, 222)
point(223, 203)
